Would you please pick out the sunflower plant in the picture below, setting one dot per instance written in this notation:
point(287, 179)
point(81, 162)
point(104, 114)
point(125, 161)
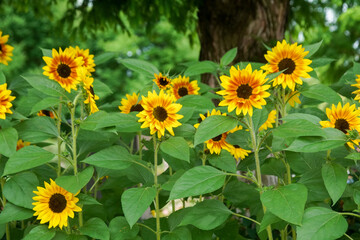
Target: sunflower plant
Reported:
point(266, 153)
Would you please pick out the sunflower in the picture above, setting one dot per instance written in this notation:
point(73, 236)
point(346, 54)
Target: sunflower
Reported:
point(243, 90)
point(131, 104)
point(292, 98)
point(20, 144)
point(5, 101)
point(90, 96)
point(62, 67)
point(88, 59)
point(46, 113)
point(163, 82)
point(5, 49)
point(181, 86)
point(357, 84)
point(270, 120)
point(291, 59)
point(238, 152)
point(54, 204)
point(159, 113)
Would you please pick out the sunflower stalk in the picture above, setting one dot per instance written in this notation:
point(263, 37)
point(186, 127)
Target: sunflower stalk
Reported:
point(157, 210)
point(59, 140)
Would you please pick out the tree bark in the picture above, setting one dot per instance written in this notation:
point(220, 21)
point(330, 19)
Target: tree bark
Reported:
point(245, 24)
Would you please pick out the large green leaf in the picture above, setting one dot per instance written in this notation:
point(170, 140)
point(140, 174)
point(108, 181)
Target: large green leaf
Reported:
point(120, 229)
point(74, 184)
point(298, 128)
point(180, 233)
point(321, 224)
point(176, 147)
point(44, 85)
point(312, 48)
point(2, 77)
point(96, 228)
point(200, 68)
point(207, 215)
point(140, 66)
point(268, 219)
point(322, 93)
point(200, 103)
point(45, 103)
point(40, 233)
point(319, 62)
point(12, 212)
point(103, 57)
point(135, 201)
point(304, 116)
point(314, 183)
point(114, 157)
point(27, 158)
point(228, 57)
point(286, 202)
point(224, 161)
point(8, 140)
point(213, 126)
point(196, 181)
point(45, 129)
point(19, 189)
point(335, 177)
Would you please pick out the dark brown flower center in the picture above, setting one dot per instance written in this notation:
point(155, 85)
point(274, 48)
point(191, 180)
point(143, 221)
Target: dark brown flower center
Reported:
point(183, 91)
point(287, 64)
point(136, 108)
point(236, 146)
point(163, 81)
point(92, 91)
point(0, 48)
point(57, 203)
point(46, 112)
point(160, 113)
point(63, 70)
point(217, 138)
point(342, 125)
point(244, 91)
point(200, 119)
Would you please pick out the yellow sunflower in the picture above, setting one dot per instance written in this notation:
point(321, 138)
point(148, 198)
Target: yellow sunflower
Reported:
point(270, 120)
point(159, 113)
point(292, 98)
point(181, 86)
point(163, 82)
point(131, 104)
point(88, 59)
point(62, 67)
point(20, 144)
point(54, 204)
point(90, 96)
point(289, 57)
point(357, 84)
point(5, 49)
point(46, 113)
point(5, 101)
point(243, 90)
point(238, 152)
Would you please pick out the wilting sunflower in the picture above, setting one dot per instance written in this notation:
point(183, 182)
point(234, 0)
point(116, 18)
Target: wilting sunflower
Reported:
point(159, 113)
point(181, 86)
point(289, 57)
point(62, 67)
point(90, 96)
point(131, 104)
point(269, 121)
point(5, 101)
point(20, 144)
point(5, 49)
point(54, 204)
point(243, 90)
point(292, 98)
point(163, 82)
point(88, 59)
point(343, 118)
point(46, 113)
point(238, 152)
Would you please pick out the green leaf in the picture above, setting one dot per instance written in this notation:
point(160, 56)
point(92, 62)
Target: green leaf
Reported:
point(140, 66)
point(46, 52)
point(312, 48)
point(85, 199)
point(73, 184)
point(103, 57)
point(176, 147)
point(196, 181)
point(120, 229)
point(114, 157)
point(335, 178)
point(322, 93)
point(224, 161)
point(27, 158)
point(298, 128)
point(356, 69)
point(272, 166)
point(14, 213)
point(319, 62)
point(200, 68)
point(19, 189)
point(45, 129)
point(286, 202)
point(268, 219)
point(101, 89)
point(95, 228)
point(2, 77)
point(356, 196)
point(207, 215)
point(44, 85)
point(180, 233)
point(200, 103)
point(135, 201)
point(213, 126)
point(8, 141)
point(353, 156)
point(40, 233)
point(271, 76)
point(171, 182)
point(228, 57)
point(316, 189)
point(321, 224)
point(45, 103)
point(304, 116)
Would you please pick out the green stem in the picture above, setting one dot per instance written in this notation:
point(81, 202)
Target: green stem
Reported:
point(293, 233)
point(157, 210)
point(241, 176)
point(172, 201)
point(7, 227)
point(140, 145)
point(242, 216)
point(143, 225)
point(350, 214)
point(59, 140)
point(73, 133)
point(348, 236)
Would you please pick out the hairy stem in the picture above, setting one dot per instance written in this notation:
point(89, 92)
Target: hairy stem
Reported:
point(157, 210)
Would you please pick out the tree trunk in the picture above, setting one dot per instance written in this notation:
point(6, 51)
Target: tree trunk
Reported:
point(245, 24)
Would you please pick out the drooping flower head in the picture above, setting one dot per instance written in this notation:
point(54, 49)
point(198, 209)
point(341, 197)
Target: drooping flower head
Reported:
point(159, 113)
point(181, 86)
point(131, 104)
point(20, 144)
point(243, 90)
point(269, 121)
point(5, 101)
point(289, 57)
point(162, 81)
point(62, 67)
point(88, 59)
point(54, 204)
point(90, 96)
point(5, 49)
